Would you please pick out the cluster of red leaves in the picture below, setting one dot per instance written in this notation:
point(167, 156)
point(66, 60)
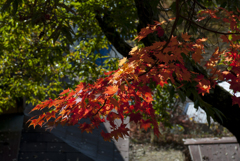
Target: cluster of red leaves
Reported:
point(128, 84)
point(136, 132)
point(232, 76)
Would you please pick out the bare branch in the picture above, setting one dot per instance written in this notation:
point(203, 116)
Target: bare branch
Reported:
point(217, 32)
point(112, 35)
point(100, 108)
point(203, 7)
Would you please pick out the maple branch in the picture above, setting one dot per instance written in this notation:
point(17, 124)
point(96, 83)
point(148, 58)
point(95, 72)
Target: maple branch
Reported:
point(191, 15)
point(233, 73)
point(147, 16)
point(217, 32)
point(100, 107)
point(203, 7)
point(155, 63)
point(174, 25)
point(167, 20)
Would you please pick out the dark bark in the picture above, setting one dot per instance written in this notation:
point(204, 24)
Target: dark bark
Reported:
point(147, 16)
point(112, 35)
point(221, 99)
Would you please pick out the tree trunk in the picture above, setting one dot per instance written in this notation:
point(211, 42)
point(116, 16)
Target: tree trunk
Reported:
point(221, 99)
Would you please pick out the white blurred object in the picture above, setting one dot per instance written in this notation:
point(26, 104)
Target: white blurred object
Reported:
point(200, 115)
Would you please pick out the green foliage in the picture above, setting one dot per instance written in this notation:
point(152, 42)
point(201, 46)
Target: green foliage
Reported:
point(37, 46)
point(164, 102)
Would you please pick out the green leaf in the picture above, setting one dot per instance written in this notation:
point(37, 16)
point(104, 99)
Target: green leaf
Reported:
point(55, 34)
point(196, 104)
point(208, 120)
point(219, 114)
point(66, 7)
point(56, 2)
point(182, 95)
point(6, 5)
point(36, 17)
point(56, 37)
point(75, 3)
point(171, 91)
point(180, 20)
point(68, 35)
point(189, 92)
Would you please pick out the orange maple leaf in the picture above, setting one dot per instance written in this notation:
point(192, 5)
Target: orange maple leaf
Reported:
point(33, 122)
point(143, 33)
point(186, 37)
point(64, 92)
point(122, 61)
point(203, 88)
point(201, 40)
point(111, 90)
point(79, 87)
point(145, 124)
point(50, 115)
point(148, 97)
point(197, 56)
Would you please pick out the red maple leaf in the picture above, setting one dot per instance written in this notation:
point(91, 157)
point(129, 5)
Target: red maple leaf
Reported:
point(111, 117)
point(123, 129)
point(160, 31)
point(135, 117)
point(106, 136)
point(156, 131)
point(86, 127)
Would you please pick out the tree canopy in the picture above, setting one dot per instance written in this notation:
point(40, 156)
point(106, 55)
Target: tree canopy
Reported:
point(38, 58)
point(177, 51)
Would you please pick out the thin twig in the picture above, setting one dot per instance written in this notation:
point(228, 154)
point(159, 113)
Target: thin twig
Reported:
point(207, 28)
point(174, 25)
point(191, 16)
point(203, 7)
point(100, 107)
point(169, 39)
point(164, 17)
